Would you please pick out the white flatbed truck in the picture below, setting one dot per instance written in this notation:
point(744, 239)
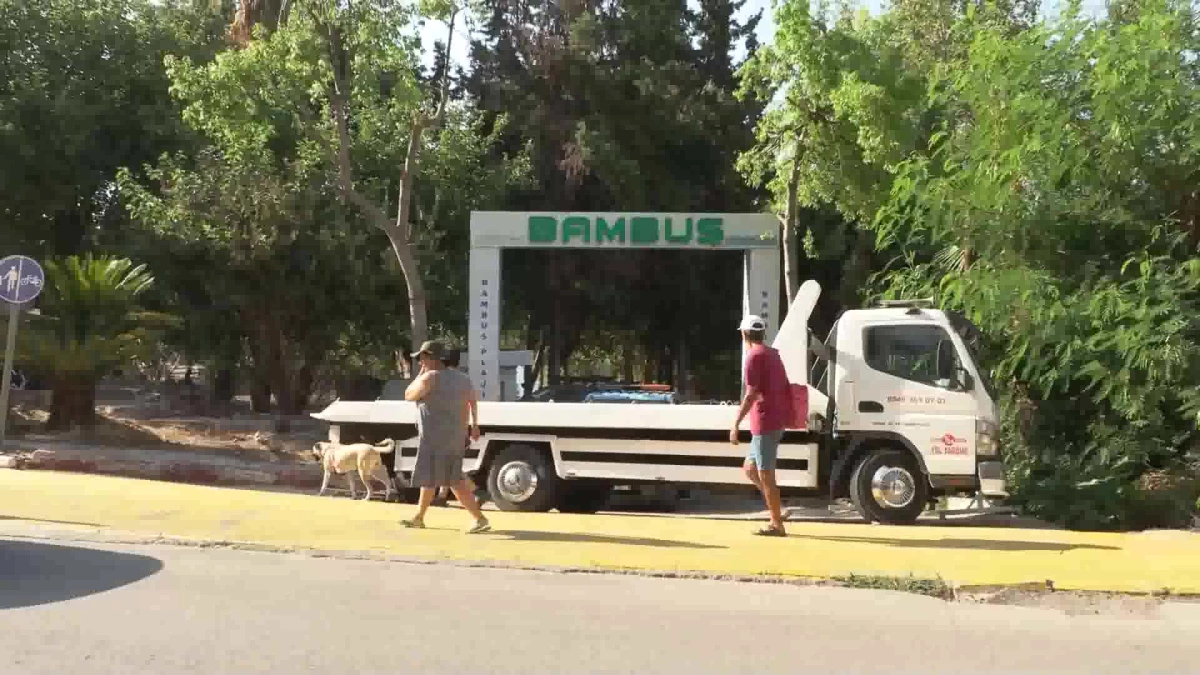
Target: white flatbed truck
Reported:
point(900, 413)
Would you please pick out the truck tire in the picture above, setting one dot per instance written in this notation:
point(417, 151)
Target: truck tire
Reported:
point(889, 487)
point(583, 498)
point(523, 479)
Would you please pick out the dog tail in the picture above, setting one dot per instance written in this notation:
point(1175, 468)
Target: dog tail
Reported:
point(386, 445)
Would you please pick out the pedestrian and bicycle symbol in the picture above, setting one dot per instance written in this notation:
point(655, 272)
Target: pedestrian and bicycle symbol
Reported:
point(21, 279)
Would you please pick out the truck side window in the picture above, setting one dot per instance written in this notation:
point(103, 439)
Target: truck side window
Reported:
point(917, 353)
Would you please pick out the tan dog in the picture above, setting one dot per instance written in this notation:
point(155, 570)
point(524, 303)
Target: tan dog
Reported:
point(342, 459)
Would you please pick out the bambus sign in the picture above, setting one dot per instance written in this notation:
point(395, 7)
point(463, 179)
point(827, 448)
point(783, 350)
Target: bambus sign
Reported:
point(645, 230)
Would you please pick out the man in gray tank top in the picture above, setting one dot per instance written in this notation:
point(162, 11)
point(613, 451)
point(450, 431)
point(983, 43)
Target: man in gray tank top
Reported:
point(451, 360)
point(444, 398)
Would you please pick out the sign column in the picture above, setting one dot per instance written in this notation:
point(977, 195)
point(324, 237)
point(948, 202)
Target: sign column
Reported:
point(760, 295)
point(483, 341)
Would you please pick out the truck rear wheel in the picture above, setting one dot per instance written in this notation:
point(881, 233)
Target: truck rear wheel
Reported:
point(888, 487)
point(523, 479)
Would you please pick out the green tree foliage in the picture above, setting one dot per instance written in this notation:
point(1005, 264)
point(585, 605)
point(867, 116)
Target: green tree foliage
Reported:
point(92, 322)
point(846, 108)
point(83, 93)
point(269, 257)
point(322, 106)
point(337, 85)
point(1035, 174)
point(849, 104)
point(1068, 180)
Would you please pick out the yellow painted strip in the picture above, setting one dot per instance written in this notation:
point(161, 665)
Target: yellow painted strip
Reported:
point(960, 555)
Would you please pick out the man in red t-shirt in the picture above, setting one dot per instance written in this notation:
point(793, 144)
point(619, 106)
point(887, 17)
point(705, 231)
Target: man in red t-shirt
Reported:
point(768, 402)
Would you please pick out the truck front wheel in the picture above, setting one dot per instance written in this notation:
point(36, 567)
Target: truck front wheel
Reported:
point(523, 479)
point(888, 487)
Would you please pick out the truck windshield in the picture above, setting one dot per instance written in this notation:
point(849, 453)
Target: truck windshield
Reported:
point(973, 338)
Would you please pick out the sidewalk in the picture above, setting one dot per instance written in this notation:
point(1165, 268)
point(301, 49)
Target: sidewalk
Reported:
point(227, 469)
point(35, 503)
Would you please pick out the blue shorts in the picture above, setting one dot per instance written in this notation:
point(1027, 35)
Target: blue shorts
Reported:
point(764, 450)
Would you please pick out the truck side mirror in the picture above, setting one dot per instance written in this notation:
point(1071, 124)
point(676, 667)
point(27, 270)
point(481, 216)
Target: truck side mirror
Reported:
point(947, 366)
point(965, 380)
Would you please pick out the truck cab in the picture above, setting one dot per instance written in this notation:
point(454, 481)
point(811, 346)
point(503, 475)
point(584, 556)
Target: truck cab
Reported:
point(909, 413)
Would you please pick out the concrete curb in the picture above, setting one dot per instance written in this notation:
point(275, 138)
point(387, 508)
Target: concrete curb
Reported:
point(169, 466)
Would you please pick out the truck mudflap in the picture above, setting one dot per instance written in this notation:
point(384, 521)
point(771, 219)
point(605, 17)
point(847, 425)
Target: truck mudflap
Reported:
point(993, 490)
point(991, 480)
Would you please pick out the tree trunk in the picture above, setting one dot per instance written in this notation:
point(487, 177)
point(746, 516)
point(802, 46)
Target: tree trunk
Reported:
point(281, 385)
point(531, 344)
point(291, 376)
point(627, 356)
point(682, 367)
point(72, 402)
point(258, 341)
point(417, 302)
point(302, 389)
point(260, 396)
point(224, 384)
point(791, 247)
point(536, 372)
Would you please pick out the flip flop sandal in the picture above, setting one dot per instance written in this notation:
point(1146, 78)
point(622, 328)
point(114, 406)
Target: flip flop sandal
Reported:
point(413, 524)
point(770, 532)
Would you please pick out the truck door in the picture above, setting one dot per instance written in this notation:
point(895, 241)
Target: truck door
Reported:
point(911, 383)
point(793, 336)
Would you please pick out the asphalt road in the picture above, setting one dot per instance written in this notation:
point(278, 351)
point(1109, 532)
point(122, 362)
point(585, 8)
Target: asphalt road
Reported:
point(84, 609)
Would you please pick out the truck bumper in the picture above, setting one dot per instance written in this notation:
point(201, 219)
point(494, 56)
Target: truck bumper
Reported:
point(991, 479)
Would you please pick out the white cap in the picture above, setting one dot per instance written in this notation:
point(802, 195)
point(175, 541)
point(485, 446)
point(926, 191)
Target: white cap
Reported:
point(752, 322)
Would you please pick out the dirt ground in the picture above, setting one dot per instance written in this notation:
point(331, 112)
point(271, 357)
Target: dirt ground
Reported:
point(1075, 603)
point(242, 434)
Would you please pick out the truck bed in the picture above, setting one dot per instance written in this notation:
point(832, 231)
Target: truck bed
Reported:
point(535, 415)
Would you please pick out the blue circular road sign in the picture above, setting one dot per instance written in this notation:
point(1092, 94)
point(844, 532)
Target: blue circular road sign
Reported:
point(21, 279)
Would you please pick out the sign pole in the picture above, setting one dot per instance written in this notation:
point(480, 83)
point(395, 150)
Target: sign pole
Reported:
point(10, 347)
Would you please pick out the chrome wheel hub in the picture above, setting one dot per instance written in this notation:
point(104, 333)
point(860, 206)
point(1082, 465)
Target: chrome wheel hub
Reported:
point(517, 481)
point(893, 487)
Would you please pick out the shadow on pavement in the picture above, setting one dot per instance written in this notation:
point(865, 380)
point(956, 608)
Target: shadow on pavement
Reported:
point(580, 538)
point(985, 521)
point(36, 573)
point(973, 544)
point(55, 522)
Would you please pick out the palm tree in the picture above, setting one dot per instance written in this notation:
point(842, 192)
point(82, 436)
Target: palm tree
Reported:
point(90, 324)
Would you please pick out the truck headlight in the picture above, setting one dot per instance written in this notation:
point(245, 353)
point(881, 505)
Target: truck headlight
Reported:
point(987, 439)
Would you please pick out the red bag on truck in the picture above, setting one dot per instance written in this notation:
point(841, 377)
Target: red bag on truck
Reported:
point(799, 418)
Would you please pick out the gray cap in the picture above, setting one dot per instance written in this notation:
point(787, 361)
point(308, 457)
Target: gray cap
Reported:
point(433, 348)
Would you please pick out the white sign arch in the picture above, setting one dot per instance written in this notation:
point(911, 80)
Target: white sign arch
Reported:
point(493, 231)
